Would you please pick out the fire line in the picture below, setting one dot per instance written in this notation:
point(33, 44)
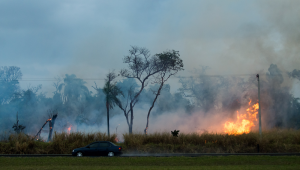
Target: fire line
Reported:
point(244, 121)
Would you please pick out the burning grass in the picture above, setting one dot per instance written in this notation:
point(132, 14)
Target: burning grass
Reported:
point(274, 141)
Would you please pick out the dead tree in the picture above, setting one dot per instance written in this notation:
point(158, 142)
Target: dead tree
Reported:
point(51, 123)
point(39, 132)
point(18, 128)
point(51, 120)
point(142, 66)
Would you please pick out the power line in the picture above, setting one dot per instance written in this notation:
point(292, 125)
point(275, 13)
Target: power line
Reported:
point(175, 77)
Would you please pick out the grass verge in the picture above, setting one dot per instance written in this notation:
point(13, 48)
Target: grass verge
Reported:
point(205, 162)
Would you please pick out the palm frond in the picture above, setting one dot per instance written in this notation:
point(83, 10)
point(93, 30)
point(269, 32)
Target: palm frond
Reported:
point(111, 91)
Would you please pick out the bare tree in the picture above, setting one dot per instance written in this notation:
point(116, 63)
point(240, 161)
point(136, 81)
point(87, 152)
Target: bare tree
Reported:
point(142, 66)
point(170, 63)
point(124, 107)
point(58, 85)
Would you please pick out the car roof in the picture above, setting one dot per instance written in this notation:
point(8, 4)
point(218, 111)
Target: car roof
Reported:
point(106, 142)
point(102, 142)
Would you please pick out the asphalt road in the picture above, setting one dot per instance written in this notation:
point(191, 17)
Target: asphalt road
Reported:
point(160, 155)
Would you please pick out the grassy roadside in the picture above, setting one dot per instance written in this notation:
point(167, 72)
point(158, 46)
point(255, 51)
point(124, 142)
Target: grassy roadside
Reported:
point(205, 162)
point(231, 167)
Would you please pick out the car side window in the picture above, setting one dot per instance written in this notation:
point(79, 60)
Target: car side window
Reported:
point(104, 145)
point(94, 145)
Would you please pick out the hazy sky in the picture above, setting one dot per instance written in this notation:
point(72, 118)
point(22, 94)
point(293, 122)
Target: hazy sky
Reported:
point(88, 38)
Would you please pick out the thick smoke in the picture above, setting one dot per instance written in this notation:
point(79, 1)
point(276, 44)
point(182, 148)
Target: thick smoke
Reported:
point(295, 74)
point(203, 103)
point(264, 39)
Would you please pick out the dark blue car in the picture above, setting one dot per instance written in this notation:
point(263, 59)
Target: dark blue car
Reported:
point(101, 148)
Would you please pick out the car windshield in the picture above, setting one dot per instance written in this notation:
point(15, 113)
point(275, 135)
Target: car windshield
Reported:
point(101, 144)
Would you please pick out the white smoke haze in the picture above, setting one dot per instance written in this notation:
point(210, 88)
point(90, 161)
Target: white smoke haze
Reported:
point(89, 39)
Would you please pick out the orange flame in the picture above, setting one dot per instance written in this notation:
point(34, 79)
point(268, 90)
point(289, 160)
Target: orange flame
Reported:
point(69, 129)
point(244, 122)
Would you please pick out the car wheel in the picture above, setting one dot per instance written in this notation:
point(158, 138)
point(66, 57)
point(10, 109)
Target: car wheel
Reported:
point(110, 154)
point(79, 154)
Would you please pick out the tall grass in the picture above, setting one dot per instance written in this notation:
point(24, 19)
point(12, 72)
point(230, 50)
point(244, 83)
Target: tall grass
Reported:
point(65, 143)
point(273, 141)
point(62, 143)
point(4, 136)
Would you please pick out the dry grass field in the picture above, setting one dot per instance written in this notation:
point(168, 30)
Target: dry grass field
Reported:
point(274, 141)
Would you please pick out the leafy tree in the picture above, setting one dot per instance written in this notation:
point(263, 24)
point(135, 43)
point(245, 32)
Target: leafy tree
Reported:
point(169, 63)
point(277, 97)
point(9, 82)
point(294, 114)
point(74, 89)
point(75, 96)
point(202, 88)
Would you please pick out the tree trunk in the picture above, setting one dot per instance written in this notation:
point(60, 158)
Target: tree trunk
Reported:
point(158, 93)
point(51, 126)
point(130, 129)
point(131, 107)
point(131, 119)
point(107, 107)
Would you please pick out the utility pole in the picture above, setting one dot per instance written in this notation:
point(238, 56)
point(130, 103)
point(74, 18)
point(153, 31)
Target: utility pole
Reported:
point(259, 112)
point(117, 129)
point(17, 129)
